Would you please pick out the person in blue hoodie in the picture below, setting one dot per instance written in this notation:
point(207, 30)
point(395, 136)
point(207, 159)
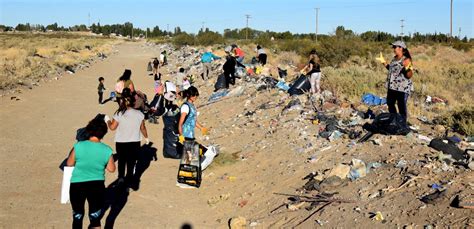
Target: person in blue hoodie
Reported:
point(206, 59)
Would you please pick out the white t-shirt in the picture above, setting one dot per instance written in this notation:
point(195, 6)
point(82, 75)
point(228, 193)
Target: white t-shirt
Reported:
point(184, 108)
point(179, 78)
point(129, 123)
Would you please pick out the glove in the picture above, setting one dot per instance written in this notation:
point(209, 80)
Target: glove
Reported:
point(106, 119)
point(381, 59)
point(147, 141)
point(181, 139)
point(204, 131)
point(409, 67)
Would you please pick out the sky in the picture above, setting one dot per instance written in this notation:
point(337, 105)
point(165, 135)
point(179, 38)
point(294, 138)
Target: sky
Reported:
point(296, 16)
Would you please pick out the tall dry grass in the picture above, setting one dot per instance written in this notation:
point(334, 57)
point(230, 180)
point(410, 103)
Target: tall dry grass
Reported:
point(26, 58)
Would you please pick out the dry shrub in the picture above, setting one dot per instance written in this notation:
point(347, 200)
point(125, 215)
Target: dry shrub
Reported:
point(27, 57)
point(460, 120)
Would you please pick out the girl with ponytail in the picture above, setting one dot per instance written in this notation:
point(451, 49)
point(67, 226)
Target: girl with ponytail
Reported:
point(129, 123)
point(188, 119)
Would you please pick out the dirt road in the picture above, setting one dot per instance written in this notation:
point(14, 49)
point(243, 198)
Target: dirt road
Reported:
point(39, 129)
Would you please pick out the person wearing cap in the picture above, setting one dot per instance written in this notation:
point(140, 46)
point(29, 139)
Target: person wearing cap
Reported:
point(313, 70)
point(399, 83)
point(206, 59)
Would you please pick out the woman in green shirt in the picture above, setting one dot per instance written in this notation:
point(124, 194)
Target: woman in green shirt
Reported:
point(90, 159)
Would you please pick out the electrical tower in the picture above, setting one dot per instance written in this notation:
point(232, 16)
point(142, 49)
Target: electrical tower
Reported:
point(451, 21)
point(247, 16)
point(316, 32)
point(401, 26)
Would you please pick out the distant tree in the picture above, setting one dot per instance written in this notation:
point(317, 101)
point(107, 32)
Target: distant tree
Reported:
point(53, 27)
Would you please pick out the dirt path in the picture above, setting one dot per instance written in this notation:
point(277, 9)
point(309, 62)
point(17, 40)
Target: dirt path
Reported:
point(39, 129)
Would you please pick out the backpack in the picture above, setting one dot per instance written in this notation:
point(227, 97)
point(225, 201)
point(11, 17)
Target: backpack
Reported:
point(388, 124)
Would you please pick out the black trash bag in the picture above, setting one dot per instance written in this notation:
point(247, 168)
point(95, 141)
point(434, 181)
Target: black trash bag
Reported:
point(254, 60)
point(282, 72)
point(220, 82)
point(270, 81)
point(300, 86)
point(170, 137)
point(448, 148)
point(388, 124)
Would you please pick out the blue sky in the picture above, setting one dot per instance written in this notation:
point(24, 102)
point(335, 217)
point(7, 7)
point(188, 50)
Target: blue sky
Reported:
point(298, 16)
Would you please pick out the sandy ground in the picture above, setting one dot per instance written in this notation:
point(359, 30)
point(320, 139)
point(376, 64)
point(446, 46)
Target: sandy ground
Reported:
point(39, 129)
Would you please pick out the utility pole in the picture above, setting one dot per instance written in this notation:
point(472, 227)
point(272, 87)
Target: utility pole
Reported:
point(401, 26)
point(451, 21)
point(203, 26)
point(459, 34)
point(247, 27)
point(317, 14)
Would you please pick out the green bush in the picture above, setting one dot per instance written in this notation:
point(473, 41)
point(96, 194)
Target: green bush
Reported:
point(209, 38)
point(461, 46)
point(460, 120)
point(183, 39)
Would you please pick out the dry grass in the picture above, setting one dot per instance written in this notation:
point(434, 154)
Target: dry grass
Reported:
point(26, 58)
point(440, 72)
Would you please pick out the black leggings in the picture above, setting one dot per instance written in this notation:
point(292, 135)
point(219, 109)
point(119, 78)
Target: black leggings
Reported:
point(401, 99)
point(127, 155)
point(94, 192)
point(101, 94)
point(262, 59)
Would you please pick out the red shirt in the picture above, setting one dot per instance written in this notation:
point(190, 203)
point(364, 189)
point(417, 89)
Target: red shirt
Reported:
point(239, 52)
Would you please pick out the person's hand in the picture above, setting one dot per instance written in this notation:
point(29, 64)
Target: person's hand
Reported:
point(381, 59)
point(147, 141)
point(204, 131)
point(181, 139)
point(106, 119)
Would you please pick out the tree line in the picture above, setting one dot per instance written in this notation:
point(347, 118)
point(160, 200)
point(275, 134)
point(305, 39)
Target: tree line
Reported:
point(127, 30)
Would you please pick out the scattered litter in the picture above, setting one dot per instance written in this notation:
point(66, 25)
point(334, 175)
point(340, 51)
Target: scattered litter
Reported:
point(377, 216)
point(433, 197)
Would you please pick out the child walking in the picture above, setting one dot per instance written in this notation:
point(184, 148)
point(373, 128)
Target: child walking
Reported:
point(101, 89)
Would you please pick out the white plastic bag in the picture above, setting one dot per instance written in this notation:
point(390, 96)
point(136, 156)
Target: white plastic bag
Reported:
point(208, 157)
point(66, 184)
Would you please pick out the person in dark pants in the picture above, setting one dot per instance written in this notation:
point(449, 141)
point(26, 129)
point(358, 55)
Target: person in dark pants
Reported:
point(129, 123)
point(229, 68)
point(101, 89)
point(261, 55)
point(399, 83)
point(90, 159)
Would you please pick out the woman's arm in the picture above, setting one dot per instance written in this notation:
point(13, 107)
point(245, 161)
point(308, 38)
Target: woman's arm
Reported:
point(110, 164)
point(112, 124)
point(143, 129)
point(181, 122)
point(71, 160)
